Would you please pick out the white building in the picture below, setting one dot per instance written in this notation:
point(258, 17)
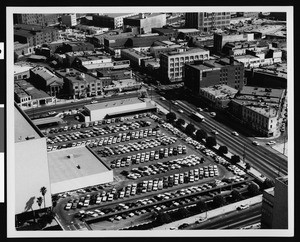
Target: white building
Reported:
point(31, 164)
point(69, 19)
point(172, 63)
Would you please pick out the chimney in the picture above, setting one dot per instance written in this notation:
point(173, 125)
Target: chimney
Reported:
point(142, 15)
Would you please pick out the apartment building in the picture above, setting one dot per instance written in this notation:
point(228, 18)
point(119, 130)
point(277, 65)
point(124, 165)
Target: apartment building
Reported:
point(36, 19)
point(69, 19)
point(259, 108)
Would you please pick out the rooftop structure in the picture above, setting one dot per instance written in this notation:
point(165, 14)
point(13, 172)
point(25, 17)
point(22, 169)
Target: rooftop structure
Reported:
point(220, 91)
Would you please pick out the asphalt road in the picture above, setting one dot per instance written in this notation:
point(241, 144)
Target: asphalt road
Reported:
point(233, 220)
point(259, 157)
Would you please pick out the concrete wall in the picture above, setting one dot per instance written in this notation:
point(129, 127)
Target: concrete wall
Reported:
point(31, 173)
point(78, 183)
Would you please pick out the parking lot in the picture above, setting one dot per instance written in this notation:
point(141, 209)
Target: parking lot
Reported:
point(154, 166)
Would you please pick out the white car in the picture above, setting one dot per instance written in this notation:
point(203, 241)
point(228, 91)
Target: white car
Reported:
point(52, 113)
point(180, 111)
point(235, 133)
point(214, 132)
point(255, 143)
point(243, 206)
point(94, 101)
point(213, 114)
point(162, 98)
point(174, 102)
point(271, 142)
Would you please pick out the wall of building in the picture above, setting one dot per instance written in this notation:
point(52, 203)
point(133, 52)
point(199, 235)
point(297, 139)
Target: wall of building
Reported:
point(31, 173)
point(280, 209)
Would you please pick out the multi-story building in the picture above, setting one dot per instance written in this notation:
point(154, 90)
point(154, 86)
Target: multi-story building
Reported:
point(274, 211)
point(206, 21)
point(135, 57)
point(22, 71)
point(91, 30)
point(27, 95)
point(220, 39)
point(81, 85)
point(111, 20)
point(31, 166)
point(21, 49)
point(209, 73)
point(69, 19)
point(145, 21)
point(259, 108)
point(172, 63)
point(169, 32)
point(187, 33)
point(117, 74)
point(34, 35)
point(218, 96)
point(36, 19)
point(46, 80)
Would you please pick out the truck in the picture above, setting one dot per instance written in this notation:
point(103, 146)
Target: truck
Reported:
point(197, 116)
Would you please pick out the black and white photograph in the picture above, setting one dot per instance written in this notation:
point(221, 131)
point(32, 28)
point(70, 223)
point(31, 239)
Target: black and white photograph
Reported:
point(150, 121)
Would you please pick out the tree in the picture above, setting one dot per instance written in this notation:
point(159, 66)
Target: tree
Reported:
point(180, 122)
point(223, 150)
point(201, 205)
point(43, 191)
point(211, 141)
point(235, 159)
point(236, 195)
point(39, 201)
point(171, 117)
point(267, 184)
point(253, 189)
point(183, 212)
point(201, 134)
point(163, 218)
point(248, 166)
point(190, 129)
point(218, 201)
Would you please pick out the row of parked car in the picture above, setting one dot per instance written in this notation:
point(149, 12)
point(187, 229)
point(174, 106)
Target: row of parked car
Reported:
point(161, 139)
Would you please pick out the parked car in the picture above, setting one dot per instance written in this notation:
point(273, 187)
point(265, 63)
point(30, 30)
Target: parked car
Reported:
point(235, 133)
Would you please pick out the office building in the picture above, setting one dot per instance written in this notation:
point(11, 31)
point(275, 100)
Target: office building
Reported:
point(22, 71)
point(259, 109)
point(69, 19)
point(275, 205)
point(135, 57)
point(214, 72)
point(46, 80)
point(31, 165)
point(145, 21)
point(111, 20)
point(207, 21)
point(172, 63)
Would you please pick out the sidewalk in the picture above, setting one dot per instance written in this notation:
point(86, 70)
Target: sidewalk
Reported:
point(211, 213)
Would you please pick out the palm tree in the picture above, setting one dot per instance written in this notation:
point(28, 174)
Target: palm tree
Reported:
point(43, 191)
point(39, 201)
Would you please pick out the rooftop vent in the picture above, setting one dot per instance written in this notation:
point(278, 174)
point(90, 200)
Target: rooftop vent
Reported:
point(30, 137)
point(70, 156)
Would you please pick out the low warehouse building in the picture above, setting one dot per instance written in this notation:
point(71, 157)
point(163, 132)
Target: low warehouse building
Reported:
point(115, 108)
point(76, 168)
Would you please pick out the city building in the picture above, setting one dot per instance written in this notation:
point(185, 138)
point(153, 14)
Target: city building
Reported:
point(111, 20)
point(271, 76)
point(21, 49)
point(36, 19)
point(248, 14)
point(34, 35)
point(81, 85)
point(207, 21)
point(124, 85)
point(69, 19)
point(91, 30)
point(220, 39)
point(70, 57)
point(75, 168)
point(187, 33)
point(209, 73)
point(259, 108)
point(218, 96)
point(46, 80)
point(77, 46)
point(116, 108)
point(145, 21)
point(21, 71)
point(31, 166)
point(98, 40)
point(169, 32)
point(26, 95)
point(116, 74)
point(159, 47)
point(90, 63)
point(274, 211)
point(172, 63)
point(135, 57)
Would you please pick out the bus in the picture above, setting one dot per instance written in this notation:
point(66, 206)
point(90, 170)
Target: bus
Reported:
point(197, 116)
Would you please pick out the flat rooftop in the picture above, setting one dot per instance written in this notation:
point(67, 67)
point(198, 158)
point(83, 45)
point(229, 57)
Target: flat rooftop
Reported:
point(63, 164)
point(114, 103)
point(220, 90)
point(21, 68)
point(115, 15)
point(146, 15)
point(24, 127)
point(188, 30)
point(189, 51)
